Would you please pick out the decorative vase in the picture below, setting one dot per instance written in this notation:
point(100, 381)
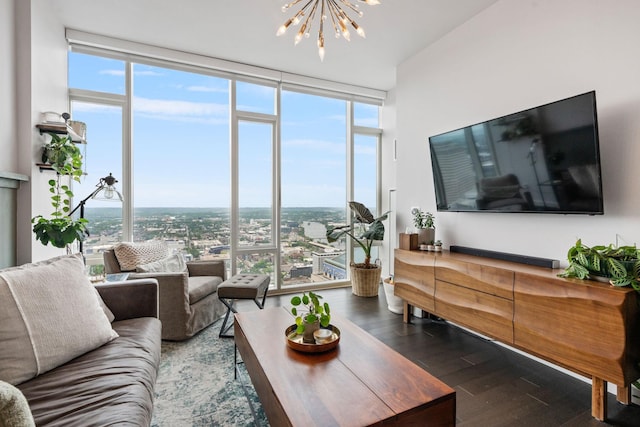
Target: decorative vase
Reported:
point(309, 329)
point(426, 235)
point(394, 303)
point(365, 281)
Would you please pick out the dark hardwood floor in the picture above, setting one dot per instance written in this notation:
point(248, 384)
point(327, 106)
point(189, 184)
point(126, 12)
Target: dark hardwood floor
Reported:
point(494, 385)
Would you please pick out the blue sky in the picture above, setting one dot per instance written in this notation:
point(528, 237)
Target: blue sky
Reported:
point(181, 140)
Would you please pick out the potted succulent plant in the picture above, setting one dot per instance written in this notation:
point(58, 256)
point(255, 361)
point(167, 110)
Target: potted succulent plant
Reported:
point(365, 276)
point(61, 230)
point(620, 265)
point(310, 314)
point(424, 224)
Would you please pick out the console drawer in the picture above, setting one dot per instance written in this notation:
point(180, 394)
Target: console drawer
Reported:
point(489, 314)
point(483, 278)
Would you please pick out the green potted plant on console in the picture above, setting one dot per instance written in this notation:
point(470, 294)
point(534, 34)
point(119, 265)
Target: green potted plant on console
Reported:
point(424, 223)
point(620, 265)
point(365, 276)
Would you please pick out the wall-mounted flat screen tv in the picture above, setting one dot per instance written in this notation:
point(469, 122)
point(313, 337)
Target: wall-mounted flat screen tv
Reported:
point(543, 160)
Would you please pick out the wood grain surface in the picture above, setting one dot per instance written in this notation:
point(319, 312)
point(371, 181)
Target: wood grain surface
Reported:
point(362, 382)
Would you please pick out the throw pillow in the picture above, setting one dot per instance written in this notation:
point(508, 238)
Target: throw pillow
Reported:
point(49, 314)
point(130, 255)
point(14, 409)
point(172, 264)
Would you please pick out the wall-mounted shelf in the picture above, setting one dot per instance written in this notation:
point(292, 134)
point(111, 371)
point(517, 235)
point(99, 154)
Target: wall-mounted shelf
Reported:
point(61, 128)
point(48, 167)
point(44, 167)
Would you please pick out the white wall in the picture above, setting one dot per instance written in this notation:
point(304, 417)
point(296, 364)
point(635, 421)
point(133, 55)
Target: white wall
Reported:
point(388, 124)
point(515, 55)
point(41, 85)
point(8, 146)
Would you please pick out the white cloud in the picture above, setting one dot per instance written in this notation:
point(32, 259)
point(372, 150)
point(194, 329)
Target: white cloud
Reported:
point(181, 110)
point(112, 72)
point(121, 73)
point(206, 89)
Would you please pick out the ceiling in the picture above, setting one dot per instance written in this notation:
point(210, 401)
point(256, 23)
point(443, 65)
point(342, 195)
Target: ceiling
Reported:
point(244, 31)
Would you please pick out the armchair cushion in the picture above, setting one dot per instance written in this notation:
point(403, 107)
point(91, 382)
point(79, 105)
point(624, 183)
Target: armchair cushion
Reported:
point(49, 314)
point(201, 286)
point(130, 255)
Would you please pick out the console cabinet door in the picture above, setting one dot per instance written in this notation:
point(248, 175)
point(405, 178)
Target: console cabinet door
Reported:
point(414, 278)
point(587, 326)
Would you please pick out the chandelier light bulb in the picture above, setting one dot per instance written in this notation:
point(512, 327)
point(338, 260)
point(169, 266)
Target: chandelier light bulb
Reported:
point(337, 10)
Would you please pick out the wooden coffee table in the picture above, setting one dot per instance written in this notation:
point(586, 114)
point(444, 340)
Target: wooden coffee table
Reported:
point(362, 382)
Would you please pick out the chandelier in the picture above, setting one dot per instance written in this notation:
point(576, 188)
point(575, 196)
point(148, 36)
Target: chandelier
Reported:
point(337, 10)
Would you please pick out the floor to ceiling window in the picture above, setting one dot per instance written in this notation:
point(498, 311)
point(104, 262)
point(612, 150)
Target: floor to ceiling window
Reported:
point(220, 167)
point(180, 160)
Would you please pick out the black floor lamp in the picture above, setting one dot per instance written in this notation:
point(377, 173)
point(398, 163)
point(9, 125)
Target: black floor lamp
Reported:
point(104, 186)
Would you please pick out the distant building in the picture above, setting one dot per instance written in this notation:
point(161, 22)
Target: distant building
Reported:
point(301, 271)
point(319, 260)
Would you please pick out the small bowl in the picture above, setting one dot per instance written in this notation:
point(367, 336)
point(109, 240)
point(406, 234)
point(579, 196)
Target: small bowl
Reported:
point(322, 336)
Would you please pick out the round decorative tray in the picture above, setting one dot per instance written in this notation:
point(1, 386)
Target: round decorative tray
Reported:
point(295, 341)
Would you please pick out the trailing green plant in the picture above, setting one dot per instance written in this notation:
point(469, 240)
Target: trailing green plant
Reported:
point(61, 230)
point(63, 155)
point(620, 264)
point(311, 310)
point(422, 219)
point(372, 230)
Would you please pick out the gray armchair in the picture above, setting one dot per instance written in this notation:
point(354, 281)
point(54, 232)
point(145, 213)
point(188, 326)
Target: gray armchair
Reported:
point(188, 301)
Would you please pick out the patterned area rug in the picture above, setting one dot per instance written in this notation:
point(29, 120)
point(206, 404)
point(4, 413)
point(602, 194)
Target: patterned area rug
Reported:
point(195, 385)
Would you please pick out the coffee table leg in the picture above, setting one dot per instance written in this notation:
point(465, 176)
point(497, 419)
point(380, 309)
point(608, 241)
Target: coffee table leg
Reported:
point(235, 360)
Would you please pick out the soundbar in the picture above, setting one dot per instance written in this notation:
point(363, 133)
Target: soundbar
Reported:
point(505, 256)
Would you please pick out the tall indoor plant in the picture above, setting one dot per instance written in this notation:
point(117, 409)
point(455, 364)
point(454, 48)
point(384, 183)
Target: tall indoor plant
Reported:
point(365, 276)
point(66, 159)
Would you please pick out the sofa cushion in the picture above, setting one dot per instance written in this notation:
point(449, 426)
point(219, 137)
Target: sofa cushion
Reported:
point(49, 314)
point(109, 386)
point(202, 286)
point(130, 255)
point(171, 264)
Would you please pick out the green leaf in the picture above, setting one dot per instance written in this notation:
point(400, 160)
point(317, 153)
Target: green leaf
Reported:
point(324, 320)
point(621, 281)
point(615, 268)
point(296, 300)
point(361, 212)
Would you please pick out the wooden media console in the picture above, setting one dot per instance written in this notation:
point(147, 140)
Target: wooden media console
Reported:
point(588, 327)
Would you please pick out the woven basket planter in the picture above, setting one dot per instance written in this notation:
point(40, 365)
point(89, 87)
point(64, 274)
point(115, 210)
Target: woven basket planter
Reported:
point(365, 282)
